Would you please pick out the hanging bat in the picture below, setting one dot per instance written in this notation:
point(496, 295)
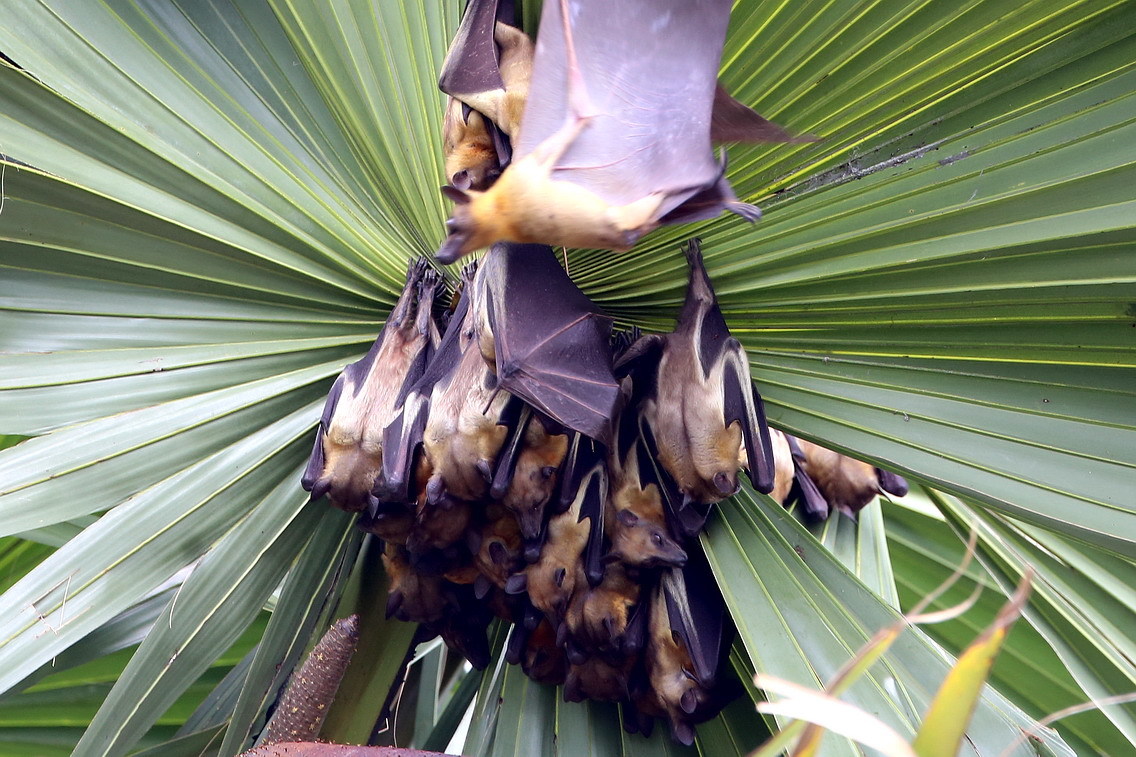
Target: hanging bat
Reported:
point(457, 415)
point(536, 651)
point(600, 679)
point(685, 644)
point(545, 341)
point(847, 484)
point(551, 580)
point(414, 596)
point(526, 476)
point(635, 522)
point(598, 617)
point(348, 449)
point(489, 65)
point(469, 148)
point(616, 135)
point(704, 408)
point(498, 553)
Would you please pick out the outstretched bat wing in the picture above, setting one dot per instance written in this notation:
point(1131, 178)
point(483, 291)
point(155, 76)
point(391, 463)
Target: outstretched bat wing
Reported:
point(648, 75)
point(551, 343)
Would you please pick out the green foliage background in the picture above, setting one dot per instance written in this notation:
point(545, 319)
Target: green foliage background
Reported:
point(208, 208)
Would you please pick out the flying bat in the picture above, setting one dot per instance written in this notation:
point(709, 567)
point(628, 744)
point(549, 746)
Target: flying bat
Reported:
point(703, 409)
point(616, 134)
point(846, 483)
point(348, 450)
point(544, 339)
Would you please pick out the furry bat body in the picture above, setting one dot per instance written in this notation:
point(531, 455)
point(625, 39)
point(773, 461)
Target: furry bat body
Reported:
point(635, 522)
point(348, 450)
point(846, 483)
point(702, 411)
point(551, 580)
point(458, 417)
point(616, 135)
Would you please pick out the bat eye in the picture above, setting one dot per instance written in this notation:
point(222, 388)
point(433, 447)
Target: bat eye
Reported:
point(657, 540)
point(547, 471)
point(451, 225)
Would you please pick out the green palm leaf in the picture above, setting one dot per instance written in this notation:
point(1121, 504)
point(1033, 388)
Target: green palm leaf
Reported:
point(210, 207)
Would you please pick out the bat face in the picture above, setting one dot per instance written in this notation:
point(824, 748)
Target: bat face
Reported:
point(636, 522)
point(347, 454)
point(499, 553)
point(551, 580)
point(471, 157)
point(413, 596)
point(543, 660)
point(599, 679)
point(598, 617)
point(535, 478)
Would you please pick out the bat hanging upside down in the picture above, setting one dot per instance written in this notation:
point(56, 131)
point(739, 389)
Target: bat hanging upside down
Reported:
point(701, 414)
point(348, 451)
point(616, 135)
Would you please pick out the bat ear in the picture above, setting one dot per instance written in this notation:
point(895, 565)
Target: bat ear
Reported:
point(457, 194)
point(459, 181)
point(627, 518)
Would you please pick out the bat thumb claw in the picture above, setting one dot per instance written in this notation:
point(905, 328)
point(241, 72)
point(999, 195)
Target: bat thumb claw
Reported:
point(751, 213)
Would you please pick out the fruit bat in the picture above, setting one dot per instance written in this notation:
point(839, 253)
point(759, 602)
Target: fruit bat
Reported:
point(605, 680)
point(457, 415)
point(685, 644)
point(783, 466)
point(544, 339)
point(469, 148)
point(847, 484)
point(551, 580)
point(536, 650)
point(526, 476)
point(703, 407)
point(348, 450)
point(616, 134)
point(414, 596)
point(598, 617)
point(635, 522)
point(498, 553)
point(489, 65)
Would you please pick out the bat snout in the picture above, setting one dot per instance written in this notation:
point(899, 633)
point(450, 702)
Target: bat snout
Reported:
point(726, 484)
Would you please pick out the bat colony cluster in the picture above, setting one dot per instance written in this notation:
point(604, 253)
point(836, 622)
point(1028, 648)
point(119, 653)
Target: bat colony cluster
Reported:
point(522, 463)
